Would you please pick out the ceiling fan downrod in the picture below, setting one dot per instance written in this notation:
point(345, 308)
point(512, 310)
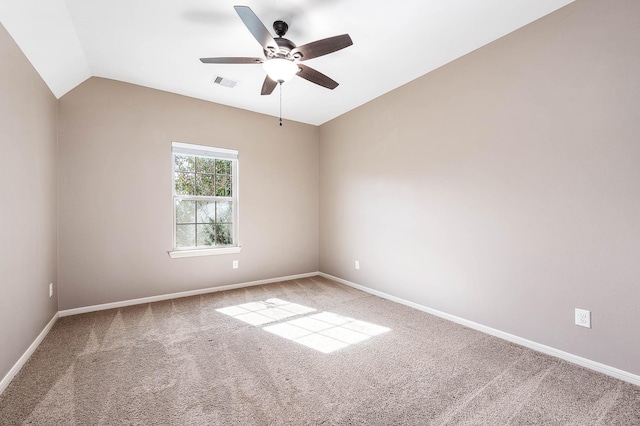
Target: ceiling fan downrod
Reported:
point(280, 27)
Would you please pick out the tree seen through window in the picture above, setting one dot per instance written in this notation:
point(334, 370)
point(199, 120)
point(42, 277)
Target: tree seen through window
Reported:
point(203, 201)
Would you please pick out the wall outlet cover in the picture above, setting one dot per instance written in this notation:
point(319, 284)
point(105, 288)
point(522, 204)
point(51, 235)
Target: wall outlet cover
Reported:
point(583, 318)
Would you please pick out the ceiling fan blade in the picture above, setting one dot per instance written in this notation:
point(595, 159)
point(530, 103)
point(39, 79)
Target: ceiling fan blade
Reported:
point(268, 86)
point(231, 60)
point(322, 47)
point(257, 28)
point(316, 77)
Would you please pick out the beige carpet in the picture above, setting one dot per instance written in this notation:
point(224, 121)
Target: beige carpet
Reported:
point(183, 362)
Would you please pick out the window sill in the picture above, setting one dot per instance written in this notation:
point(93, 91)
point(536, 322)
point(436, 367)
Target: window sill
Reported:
point(203, 252)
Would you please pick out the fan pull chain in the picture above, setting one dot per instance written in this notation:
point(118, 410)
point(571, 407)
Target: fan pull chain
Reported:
point(280, 83)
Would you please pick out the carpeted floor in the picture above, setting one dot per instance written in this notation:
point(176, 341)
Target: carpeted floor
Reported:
point(218, 359)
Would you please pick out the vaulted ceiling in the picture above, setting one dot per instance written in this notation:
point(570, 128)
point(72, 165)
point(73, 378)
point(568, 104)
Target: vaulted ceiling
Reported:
point(158, 43)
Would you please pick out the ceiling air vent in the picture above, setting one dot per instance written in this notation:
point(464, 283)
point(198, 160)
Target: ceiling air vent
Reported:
point(226, 82)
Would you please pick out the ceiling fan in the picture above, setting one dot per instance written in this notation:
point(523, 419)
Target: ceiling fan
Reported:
point(282, 57)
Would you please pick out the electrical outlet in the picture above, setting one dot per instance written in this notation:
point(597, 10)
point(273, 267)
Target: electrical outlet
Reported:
point(50, 289)
point(235, 264)
point(583, 318)
point(357, 264)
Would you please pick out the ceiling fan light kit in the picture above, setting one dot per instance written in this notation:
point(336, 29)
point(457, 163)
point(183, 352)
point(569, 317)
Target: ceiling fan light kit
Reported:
point(280, 70)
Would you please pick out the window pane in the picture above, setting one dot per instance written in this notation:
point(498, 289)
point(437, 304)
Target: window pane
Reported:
point(223, 186)
point(185, 183)
point(185, 235)
point(200, 181)
point(223, 235)
point(205, 235)
point(223, 167)
point(205, 165)
point(206, 211)
point(204, 185)
point(223, 211)
point(184, 163)
point(185, 211)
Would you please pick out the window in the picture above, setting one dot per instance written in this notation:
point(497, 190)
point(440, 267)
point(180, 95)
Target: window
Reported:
point(205, 200)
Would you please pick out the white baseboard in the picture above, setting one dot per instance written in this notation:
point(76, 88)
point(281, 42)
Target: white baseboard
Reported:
point(587, 363)
point(25, 357)
point(104, 306)
point(584, 362)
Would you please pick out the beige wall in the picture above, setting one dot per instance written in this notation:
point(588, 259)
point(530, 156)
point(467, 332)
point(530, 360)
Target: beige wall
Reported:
point(28, 116)
point(115, 221)
point(503, 188)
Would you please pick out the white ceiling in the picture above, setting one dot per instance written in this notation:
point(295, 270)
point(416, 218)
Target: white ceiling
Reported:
point(158, 43)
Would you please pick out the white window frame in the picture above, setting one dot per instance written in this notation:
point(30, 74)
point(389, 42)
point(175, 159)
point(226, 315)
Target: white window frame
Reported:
point(208, 152)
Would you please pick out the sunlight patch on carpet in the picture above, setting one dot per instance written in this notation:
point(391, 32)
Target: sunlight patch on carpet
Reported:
point(325, 331)
point(270, 310)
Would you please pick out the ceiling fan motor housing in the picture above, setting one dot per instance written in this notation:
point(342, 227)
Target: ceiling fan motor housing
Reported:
point(285, 45)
